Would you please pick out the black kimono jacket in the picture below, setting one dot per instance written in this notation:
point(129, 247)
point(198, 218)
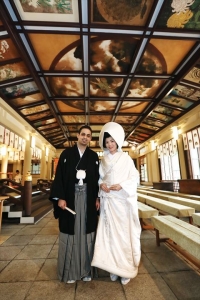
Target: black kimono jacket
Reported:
point(63, 187)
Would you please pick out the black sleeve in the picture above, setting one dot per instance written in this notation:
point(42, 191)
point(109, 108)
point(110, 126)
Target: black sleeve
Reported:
point(97, 175)
point(56, 210)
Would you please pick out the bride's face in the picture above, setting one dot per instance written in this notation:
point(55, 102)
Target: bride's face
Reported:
point(111, 145)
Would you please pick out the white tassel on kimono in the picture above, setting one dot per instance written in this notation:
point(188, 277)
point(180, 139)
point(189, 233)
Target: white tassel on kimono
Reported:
point(80, 175)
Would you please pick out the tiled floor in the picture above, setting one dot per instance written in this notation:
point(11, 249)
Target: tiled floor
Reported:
point(28, 258)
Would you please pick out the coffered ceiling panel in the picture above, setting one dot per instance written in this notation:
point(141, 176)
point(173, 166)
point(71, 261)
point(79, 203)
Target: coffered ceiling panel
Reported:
point(67, 63)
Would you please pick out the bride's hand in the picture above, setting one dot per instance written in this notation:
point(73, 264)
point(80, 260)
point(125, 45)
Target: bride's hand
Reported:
point(104, 187)
point(115, 187)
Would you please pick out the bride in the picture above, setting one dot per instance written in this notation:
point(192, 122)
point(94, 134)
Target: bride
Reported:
point(117, 246)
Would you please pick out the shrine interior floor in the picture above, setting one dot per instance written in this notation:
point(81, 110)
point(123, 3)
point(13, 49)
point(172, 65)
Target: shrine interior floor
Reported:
point(28, 259)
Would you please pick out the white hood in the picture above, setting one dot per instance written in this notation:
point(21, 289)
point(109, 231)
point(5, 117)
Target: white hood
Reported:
point(117, 133)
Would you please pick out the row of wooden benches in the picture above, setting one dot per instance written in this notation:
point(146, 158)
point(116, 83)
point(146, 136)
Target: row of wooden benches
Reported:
point(185, 235)
point(176, 198)
point(176, 194)
point(146, 212)
point(182, 195)
point(171, 206)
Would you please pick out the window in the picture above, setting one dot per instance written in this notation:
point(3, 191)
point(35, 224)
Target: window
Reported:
point(35, 167)
point(194, 154)
point(169, 161)
point(170, 169)
point(191, 143)
point(143, 169)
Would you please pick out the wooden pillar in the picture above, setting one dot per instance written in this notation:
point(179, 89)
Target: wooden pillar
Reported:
point(27, 194)
point(4, 165)
point(43, 166)
point(27, 159)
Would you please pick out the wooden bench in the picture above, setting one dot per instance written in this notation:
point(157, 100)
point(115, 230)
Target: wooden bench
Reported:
point(189, 186)
point(164, 185)
point(155, 194)
point(174, 209)
point(145, 187)
point(188, 202)
point(141, 198)
point(196, 219)
point(142, 191)
point(146, 212)
point(185, 235)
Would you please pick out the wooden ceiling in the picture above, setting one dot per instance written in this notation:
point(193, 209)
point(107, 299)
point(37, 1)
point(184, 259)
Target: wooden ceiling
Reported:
point(67, 63)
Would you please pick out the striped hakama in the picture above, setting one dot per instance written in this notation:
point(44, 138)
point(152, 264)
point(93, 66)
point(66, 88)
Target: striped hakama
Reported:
point(76, 251)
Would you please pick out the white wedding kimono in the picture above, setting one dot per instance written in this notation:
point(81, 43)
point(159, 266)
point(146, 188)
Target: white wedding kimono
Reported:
point(117, 246)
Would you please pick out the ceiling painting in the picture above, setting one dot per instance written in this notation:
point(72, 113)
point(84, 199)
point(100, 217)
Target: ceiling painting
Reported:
point(52, 130)
point(160, 117)
point(19, 89)
point(74, 119)
point(48, 127)
point(151, 127)
point(126, 12)
point(67, 63)
point(27, 100)
point(153, 122)
point(144, 88)
point(167, 111)
point(39, 115)
point(106, 86)
point(8, 50)
point(70, 106)
point(193, 75)
point(176, 101)
point(51, 48)
point(180, 14)
point(125, 119)
point(133, 106)
point(54, 11)
point(98, 119)
point(41, 123)
point(173, 51)
point(11, 71)
point(66, 86)
point(34, 110)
